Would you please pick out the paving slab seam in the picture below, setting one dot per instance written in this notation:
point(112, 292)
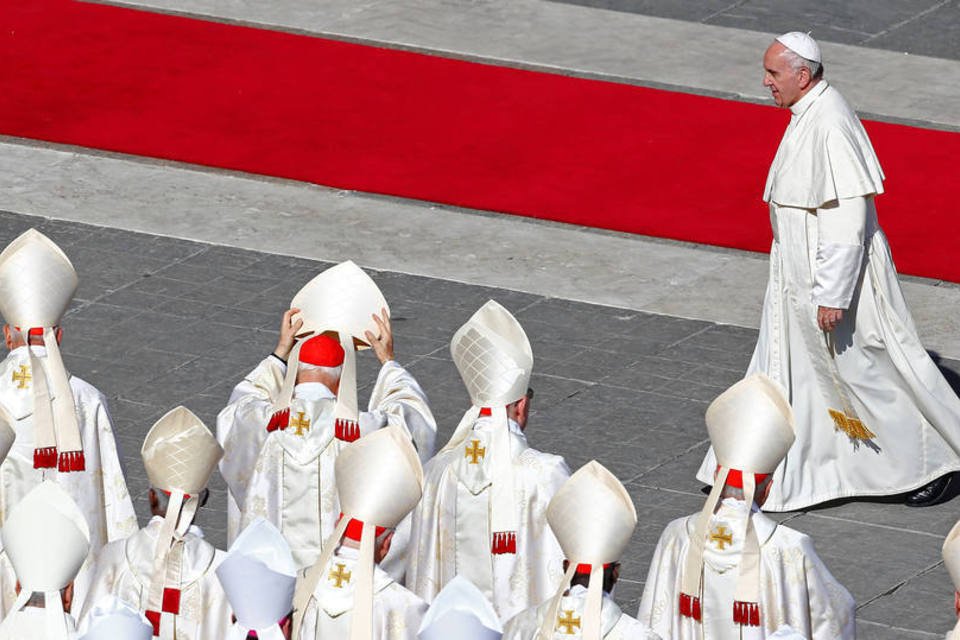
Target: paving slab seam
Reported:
point(667, 461)
point(915, 632)
point(900, 584)
point(936, 536)
point(906, 21)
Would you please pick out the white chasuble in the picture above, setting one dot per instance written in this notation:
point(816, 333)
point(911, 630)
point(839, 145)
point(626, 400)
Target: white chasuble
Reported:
point(614, 623)
point(397, 613)
point(100, 490)
point(285, 475)
point(29, 624)
point(451, 531)
point(796, 588)
point(195, 606)
point(874, 415)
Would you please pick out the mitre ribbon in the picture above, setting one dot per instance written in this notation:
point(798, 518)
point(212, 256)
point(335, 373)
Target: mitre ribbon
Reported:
point(56, 428)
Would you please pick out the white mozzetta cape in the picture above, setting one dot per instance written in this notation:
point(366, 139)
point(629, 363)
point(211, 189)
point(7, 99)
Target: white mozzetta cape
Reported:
point(450, 528)
point(872, 367)
point(614, 623)
point(796, 588)
point(100, 490)
point(124, 568)
point(286, 476)
point(397, 613)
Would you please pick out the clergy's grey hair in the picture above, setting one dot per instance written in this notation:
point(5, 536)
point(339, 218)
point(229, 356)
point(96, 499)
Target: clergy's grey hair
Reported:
point(333, 372)
point(798, 62)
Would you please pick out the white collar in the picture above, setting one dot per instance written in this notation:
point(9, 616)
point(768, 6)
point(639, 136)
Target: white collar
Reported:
point(484, 421)
point(21, 351)
point(193, 529)
point(801, 105)
point(313, 391)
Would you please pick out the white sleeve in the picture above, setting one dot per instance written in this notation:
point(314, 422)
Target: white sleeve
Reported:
point(841, 228)
point(398, 400)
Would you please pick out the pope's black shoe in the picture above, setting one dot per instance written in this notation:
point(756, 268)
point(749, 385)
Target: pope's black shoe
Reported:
point(931, 494)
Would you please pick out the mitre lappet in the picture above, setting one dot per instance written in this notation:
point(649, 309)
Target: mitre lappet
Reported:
point(460, 611)
point(259, 575)
point(592, 517)
point(113, 619)
point(493, 355)
point(338, 303)
point(751, 428)
point(47, 539)
point(37, 283)
point(179, 454)
point(951, 559)
point(379, 481)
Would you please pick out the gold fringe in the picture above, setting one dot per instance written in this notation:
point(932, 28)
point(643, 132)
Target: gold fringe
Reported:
point(854, 428)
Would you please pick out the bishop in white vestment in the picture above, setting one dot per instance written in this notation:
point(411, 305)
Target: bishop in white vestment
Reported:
point(486, 493)
point(730, 572)
point(344, 594)
point(951, 560)
point(874, 414)
point(593, 517)
point(167, 569)
point(63, 428)
point(279, 451)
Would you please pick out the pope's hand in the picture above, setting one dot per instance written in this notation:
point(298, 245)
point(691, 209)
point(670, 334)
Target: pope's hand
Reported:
point(382, 344)
point(288, 334)
point(828, 318)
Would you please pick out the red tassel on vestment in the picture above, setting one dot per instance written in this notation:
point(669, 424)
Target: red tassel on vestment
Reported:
point(504, 542)
point(346, 430)
point(171, 601)
point(72, 461)
point(690, 607)
point(154, 618)
point(746, 614)
point(45, 458)
point(279, 420)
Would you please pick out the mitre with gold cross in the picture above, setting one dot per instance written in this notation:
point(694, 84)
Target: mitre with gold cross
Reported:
point(493, 355)
point(379, 481)
point(593, 518)
point(46, 538)
point(37, 283)
point(751, 428)
point(339, 303)
point(179, 454)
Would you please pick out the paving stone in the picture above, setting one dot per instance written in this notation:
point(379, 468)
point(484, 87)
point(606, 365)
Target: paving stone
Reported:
point(923, 603)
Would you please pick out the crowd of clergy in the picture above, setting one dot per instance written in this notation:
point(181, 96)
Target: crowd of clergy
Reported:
point(351, 524)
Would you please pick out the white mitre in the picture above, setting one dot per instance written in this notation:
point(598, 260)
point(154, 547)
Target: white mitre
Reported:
point(37, 283)
point(493, 355)
point(47, 539)
point(379, 481)
point(593, 518)
point(7, 435)
point(113, 619)
point(258, 575)
point(460, 611)
point(179, 454)
point(751, 428)
point(341, 300)
point(951, 555)
point(801, 44)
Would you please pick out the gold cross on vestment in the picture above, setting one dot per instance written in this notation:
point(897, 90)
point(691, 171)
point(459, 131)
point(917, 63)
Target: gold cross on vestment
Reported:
point(722, 537)
point(339, 575)
point(22, 377)
point(475, 452)
point(568, 622)
point(300, 423)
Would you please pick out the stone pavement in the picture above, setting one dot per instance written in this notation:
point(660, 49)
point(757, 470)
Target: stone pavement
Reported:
point(160, 321)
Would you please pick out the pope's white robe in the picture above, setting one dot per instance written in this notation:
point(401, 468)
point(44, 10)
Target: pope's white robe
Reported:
point(397, 613)
point(614, 623)
point(124, 569)
point(829, 251)
point(450, 528)
point(286, 476)
point(796, 588)
point(29, 624)
point(100, 491)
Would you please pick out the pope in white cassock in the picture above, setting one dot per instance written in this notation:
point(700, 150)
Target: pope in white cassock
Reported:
point(345, 595)
point(486, 493)
point(47, 540)
point(166, 569)
point(730, 572)
point(593, 517)
point(290, 417)
point(62, 424)
point(460, 611)
point(951, 559)
point(874, 414)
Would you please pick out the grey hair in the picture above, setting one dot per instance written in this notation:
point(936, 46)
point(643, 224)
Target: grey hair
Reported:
point(333, 372)
point(798, 62)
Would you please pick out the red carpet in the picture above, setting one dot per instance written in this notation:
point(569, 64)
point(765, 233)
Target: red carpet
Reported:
point(355, 117)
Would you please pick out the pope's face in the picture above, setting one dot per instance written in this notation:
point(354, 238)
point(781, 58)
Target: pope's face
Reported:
point(785, 83)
